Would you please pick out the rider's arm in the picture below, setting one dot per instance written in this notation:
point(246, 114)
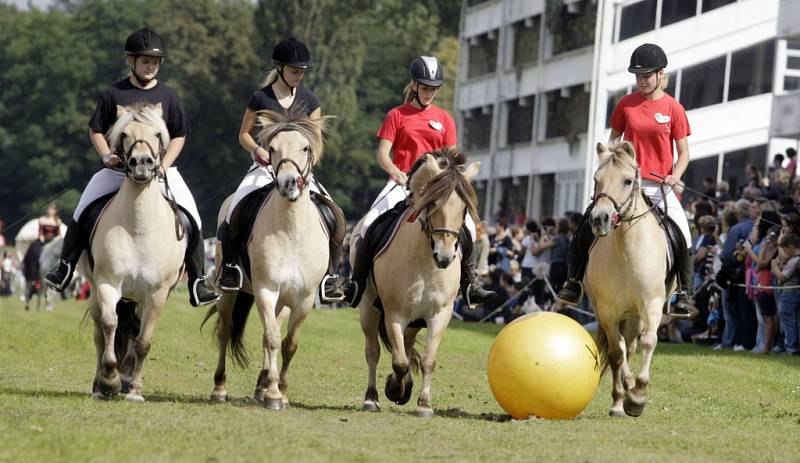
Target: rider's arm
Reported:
point(385, 161)
point(101, 147)
point(683, 158)
point(246, 140)
point(173, 151)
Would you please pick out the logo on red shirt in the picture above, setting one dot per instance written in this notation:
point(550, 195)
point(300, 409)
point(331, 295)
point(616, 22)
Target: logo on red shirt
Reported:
point(437, 126)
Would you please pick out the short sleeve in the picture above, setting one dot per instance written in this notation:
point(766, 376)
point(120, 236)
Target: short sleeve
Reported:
point(105, 113)
point(790, 268)
point(178, 122)
point(255, 104)
point(450, 133)
point(390, 126)
point(312, 102)
point(680, 123)
point(618, 117)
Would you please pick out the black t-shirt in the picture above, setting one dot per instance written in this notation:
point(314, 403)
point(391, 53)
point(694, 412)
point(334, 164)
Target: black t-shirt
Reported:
point(124, 93)
point(304, 100)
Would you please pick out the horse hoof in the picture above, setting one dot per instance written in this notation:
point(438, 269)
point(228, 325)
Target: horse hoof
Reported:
point(409, 386)
point(108, 390)
point(98, 396)
point(134, 398)
point(370, 406)
point(218, 398)
point(616, 413)
point(424, 412)
point(260, 395)
point(633, 407)
point(273, 404)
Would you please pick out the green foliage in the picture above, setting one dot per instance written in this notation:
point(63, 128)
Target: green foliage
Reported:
point(54, 64)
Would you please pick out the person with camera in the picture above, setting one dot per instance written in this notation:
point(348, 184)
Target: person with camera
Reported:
point(759, 266)
point(732, 274)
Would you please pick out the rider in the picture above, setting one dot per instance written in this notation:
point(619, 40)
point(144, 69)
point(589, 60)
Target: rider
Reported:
point(281, 92)
point(145, 53)
point(49, 224)
point(410, 130)
point(652, 121)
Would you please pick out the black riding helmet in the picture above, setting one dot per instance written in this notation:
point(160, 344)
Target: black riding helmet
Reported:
point(145, 42)
point(292, 52)
point(427, 71)
point(647, 58)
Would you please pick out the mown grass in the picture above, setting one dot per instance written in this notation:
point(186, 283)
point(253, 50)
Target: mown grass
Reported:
point(704, 405)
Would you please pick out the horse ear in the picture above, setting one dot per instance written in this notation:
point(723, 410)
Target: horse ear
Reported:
point(472, 170)
point(602, 152)
point(432, 164)
point(121, 111)
point(158, 109)
point(627, 148)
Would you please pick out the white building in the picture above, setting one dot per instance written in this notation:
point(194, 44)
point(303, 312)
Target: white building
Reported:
point(539, 79)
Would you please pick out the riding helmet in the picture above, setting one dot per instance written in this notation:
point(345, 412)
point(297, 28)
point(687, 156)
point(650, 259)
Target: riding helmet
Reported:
point(427, 71)
point(647, 58)
point(145, 42)
point(292, 52)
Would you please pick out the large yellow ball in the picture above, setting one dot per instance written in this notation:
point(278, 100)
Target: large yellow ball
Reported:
point(544, 364)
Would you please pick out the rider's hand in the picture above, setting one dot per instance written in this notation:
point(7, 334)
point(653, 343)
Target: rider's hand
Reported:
point(399, 177)
point(671, 181)
point(111, 160)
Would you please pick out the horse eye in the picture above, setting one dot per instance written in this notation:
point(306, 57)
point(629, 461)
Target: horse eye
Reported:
point(306, 149)
point(628, 182)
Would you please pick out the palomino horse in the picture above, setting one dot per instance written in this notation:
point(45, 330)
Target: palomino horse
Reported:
point(138, 256)
point(417, 277)
point(625, 277)
point(288, 252)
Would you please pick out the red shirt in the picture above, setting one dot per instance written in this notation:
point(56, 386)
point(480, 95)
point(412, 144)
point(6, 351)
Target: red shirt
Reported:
point(652, 126)
point(414, 132)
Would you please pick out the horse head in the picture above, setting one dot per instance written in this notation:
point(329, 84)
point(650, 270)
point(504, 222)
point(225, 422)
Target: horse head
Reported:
point(141, 137)
point(294, 144)
point(616, 186)
point(442, 196)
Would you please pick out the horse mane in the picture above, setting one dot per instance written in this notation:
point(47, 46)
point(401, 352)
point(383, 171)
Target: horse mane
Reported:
point(271, 123)
point(452, 162)
point(139, 112)
point(621, 153)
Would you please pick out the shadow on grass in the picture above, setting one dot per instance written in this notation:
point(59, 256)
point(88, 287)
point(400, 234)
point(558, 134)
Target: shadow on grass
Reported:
point(694, 350)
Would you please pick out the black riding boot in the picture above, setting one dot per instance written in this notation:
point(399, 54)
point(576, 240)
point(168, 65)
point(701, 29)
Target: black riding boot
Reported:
point(354, 287)
point(59, 276)
point(472, 293)
point(683, 308)
point(331, 289)
point(572, 291)
point(200, 290)
point(231, 276)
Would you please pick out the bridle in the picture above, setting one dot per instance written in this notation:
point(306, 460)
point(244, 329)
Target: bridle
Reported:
point(430, 231)
point(623, 210)
point(159, 173)
point(304, 173)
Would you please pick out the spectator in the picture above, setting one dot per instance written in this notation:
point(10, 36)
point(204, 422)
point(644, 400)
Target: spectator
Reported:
point(791, 166)
point(480, 253)
point(49, 224)
point(733, 264)
point(723, 191)
point(558, 256)
point(759, 275)
point(788, 276)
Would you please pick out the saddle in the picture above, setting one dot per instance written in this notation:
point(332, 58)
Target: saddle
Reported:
point(244, 216)
point(675, 243)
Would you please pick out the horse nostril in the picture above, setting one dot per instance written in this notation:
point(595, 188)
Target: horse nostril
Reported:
point(132, 162)
point(149, 161)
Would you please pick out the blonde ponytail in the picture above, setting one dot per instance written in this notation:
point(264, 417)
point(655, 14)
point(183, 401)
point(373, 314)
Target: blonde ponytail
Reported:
point(408, 93)
point(665, 81)
point(271, 78)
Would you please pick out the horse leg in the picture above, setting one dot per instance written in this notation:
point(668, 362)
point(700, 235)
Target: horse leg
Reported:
point(400, 382)
point(636, 398)
point(224, 327)
point(436, 327)
point(289, 344)
point(126, 367)
point(616, 358)
point(372, 351)
point(150, 315)
point(630, 331)
point(108, 380)
point(267, 389)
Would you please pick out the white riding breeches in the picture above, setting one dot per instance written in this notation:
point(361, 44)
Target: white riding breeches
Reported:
point(260, 176)
point(672, 206)
point(392, 194)
point(107, 181)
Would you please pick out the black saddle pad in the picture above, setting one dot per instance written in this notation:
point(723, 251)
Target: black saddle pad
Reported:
point(378, 234)
point(675, 241)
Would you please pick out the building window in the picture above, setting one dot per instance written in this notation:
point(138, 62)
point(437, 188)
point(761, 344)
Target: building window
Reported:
point(736, 162)
point(637, 18)
point(703, 84)
point(475, 2)
point(567, 112)
point(671, 83)
point(751, 71)
point(526, 40)
point(571, 24)
point(709, 5)
point(613, 100)
point(482, 54)
point(673, 11)
point(697, 171)
point(520, 120)
point(477, 128)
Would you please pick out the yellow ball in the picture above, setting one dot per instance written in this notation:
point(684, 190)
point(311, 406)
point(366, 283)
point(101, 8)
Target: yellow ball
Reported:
point(544, 364)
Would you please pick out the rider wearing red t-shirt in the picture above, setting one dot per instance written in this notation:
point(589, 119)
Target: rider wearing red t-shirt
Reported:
point(654, 123)
point(410, 130)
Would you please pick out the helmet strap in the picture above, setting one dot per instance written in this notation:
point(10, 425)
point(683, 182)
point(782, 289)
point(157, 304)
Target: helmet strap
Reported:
point(416, 97)
point(142, 83)
point(658, 85)
point(280, 74)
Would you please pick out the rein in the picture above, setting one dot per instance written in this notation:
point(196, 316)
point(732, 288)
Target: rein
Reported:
point(430, 231)
point(622, 210)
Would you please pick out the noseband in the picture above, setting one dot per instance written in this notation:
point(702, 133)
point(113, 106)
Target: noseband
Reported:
point(127, 154)
point(430, 231)
point(622, 210)
point(304, 173)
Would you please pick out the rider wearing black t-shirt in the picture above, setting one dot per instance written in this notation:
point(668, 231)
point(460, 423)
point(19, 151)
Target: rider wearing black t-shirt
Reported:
point(145, 50)
point(281, 92)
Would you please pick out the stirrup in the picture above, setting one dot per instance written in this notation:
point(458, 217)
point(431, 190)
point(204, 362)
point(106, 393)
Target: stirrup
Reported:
point(198, 302)
point(59, 285)
point(578, 300)
point(323, 295)
point(680, 313)
point(239, 277)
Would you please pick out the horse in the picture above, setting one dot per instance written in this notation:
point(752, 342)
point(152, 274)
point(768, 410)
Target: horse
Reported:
point(288, 253)
point(138, 249)
point(417, 277)
point(626, 275)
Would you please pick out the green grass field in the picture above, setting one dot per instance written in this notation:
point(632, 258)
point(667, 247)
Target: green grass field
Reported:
point(704, 405)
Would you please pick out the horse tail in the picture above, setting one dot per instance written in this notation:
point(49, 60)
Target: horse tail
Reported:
point(128, 326)
point(602, 349)
point(414, 359)
point(241, 309)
